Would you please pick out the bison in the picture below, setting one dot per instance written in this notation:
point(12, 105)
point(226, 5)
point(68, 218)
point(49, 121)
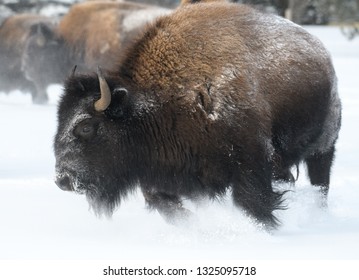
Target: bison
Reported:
point(213, 97)
point(14, 33)
point(91, 33)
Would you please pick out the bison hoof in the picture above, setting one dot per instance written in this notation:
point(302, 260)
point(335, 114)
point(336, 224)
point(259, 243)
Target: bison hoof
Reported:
point(323, 198)
point(179, 216)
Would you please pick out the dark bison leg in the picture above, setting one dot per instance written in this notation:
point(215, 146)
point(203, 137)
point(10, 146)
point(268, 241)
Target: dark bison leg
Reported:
point(169, 206)
point(253, 192)
point(281, 170)
point(319, 166)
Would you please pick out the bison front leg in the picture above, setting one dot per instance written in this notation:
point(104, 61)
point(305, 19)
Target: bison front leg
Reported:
point(252, 191)
point(168, 206)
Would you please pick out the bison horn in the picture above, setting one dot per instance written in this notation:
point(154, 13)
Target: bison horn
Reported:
point(105, 100)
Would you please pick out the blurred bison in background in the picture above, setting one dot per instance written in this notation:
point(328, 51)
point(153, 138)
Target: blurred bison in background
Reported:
point(213, 97)
point(14, 33)
point(92, 33)
point(185, 2)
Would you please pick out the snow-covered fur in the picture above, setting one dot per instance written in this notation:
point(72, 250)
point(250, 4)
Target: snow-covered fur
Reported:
point(212, 97)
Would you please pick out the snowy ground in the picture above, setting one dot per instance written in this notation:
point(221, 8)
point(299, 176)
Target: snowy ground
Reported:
point(39, 221)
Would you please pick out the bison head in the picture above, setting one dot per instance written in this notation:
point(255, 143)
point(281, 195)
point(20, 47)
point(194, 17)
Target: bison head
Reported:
point(93, 154)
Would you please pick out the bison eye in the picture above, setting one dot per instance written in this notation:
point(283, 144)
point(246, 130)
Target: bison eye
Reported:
point(86, 129)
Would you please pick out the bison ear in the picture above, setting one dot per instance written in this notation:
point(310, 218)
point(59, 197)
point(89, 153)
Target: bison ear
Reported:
point(119, 103)
point(120, 93)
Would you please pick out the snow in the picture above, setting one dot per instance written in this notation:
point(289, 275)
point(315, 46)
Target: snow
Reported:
point(39, 221)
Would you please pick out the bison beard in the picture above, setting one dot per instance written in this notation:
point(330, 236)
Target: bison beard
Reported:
point(214, 97)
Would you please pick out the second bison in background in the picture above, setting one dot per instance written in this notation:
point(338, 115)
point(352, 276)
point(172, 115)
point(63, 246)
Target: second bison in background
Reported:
point(90, 34)
point(213, 97)
point(15, 32)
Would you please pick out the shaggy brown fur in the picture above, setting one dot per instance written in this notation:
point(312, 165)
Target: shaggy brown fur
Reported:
point(214, 96)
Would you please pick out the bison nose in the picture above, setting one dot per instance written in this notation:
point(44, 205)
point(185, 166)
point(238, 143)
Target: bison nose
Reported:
point(64, 183)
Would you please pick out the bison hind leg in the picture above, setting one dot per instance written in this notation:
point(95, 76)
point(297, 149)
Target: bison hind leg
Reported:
point(168, 206)
point(319, 166)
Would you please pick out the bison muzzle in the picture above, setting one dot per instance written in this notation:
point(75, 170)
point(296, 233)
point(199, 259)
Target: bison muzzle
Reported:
point(211, 98)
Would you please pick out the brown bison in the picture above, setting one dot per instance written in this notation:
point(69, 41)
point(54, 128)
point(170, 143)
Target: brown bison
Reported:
point(92, 33)
point(212, 97)
point(14, 33)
